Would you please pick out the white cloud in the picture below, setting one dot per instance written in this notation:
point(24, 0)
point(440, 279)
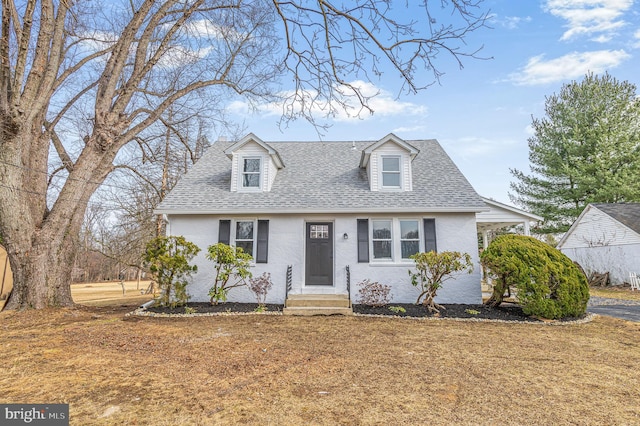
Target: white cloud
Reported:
point(206, 29)
point(179, 56)
point(344, 109)
point(419, 128)
point(636, 36)
point(472, 148)
point(573, 65)
point(511, 22)
point(598, 19)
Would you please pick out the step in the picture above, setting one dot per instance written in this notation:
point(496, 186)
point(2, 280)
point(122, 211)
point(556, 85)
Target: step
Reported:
point(315, 310)
point(318, 301)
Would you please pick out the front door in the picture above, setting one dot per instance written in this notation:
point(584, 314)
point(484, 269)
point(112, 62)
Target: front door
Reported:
point(319, 258)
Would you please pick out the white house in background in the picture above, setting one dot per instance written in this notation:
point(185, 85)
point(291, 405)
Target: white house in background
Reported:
point(606, 238)
point(323, 216)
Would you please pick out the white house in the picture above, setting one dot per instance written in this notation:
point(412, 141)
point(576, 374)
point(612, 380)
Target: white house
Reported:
point(606, 238)
point(324, 216)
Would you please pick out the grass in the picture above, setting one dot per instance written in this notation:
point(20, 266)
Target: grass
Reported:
point(624, 293)
point(114, 369)
point(109, 293)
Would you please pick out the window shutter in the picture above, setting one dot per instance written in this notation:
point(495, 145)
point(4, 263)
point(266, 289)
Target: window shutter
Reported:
point(430, 235)
point(262, 250)
point(224, 233)
point(363, 240)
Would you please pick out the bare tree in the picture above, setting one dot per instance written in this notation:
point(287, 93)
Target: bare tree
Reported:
point(81, 80)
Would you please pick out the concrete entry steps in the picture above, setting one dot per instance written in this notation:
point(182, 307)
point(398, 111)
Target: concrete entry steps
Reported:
point(317, 304)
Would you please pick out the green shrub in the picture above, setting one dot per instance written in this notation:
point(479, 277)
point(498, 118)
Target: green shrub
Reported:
point(168, 260)
point(397, 309)
point(432, 269)
point(232, 269)
point(547, 282)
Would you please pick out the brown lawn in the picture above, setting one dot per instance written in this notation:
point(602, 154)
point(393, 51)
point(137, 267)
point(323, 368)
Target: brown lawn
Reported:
point(278, 370)
point(109, 293)
point(616, 292)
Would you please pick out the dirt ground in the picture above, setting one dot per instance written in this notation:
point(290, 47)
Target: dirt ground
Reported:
point(269, 369)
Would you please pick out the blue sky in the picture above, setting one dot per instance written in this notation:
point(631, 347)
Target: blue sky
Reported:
point(482, 113)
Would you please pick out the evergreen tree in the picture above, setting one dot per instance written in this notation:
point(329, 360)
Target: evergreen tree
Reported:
point(586, 150)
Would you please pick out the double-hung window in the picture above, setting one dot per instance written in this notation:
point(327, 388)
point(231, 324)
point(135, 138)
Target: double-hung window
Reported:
point(251, 172)
point(245, 236)
point(252, 236)
point(391, 240)
point(409, 238)
point(382, 239)
point(390, 170)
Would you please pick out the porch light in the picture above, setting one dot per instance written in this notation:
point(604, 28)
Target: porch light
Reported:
point(345, 236)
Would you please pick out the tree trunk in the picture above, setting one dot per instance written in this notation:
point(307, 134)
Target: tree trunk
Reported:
point(42, 244)
point(42, 276)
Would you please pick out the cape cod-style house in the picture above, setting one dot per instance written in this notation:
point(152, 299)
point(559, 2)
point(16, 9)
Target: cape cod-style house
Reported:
point(321, 217)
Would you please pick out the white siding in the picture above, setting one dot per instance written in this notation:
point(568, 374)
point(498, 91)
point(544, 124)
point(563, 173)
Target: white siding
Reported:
point(268, 172)
point(597, 229)
point(287, 247)
point(618, 261)
point(375, 164)
point(271, 171)
point(601, 244)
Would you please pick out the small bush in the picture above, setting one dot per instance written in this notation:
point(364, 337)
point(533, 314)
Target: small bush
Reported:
point(232, 269)
point(373, 293)
point(168, 260)
point(547, 282)
point(397, 309)
point(260, 286)
point(432, 269)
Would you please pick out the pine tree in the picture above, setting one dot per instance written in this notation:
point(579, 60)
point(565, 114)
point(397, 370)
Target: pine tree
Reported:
point(586, 149)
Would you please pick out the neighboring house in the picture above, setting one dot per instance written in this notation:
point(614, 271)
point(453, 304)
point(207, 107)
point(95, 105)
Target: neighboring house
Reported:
point(324, 216)
point(606, 238)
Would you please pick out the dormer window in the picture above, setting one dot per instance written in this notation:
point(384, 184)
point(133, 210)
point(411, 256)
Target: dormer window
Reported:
point(391, 177)
point(251, 172)
point(254, 165)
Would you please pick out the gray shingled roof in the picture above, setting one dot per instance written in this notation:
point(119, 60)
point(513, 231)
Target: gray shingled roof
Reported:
point(626, 213)
point(322, 177)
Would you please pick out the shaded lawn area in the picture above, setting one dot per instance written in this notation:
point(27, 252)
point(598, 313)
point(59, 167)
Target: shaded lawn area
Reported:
point(260, 369)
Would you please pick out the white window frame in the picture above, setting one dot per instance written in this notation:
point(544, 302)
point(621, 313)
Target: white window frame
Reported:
point(234, 234)
point(371, 239)
point(396, 240)
point(242, 173)
point(398, 172)
point(417, 221)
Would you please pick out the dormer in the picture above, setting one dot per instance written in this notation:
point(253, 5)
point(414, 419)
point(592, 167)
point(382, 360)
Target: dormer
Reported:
point(388, 164)
point(254, 165)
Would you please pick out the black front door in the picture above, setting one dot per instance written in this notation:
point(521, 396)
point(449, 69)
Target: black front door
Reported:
point(319, 259)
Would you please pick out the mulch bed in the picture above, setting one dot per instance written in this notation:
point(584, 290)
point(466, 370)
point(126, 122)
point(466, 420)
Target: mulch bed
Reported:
point(206, 308)
point(505, 312)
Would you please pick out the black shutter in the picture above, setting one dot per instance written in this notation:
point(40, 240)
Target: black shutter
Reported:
point(430, 235)
point(262, 252)
point(224, 234)
point(363, 240)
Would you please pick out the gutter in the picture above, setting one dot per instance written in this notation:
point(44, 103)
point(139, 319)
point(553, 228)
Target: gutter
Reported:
point(274, 211)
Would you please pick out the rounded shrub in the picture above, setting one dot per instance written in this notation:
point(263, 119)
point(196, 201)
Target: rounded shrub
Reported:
point(547, 283)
